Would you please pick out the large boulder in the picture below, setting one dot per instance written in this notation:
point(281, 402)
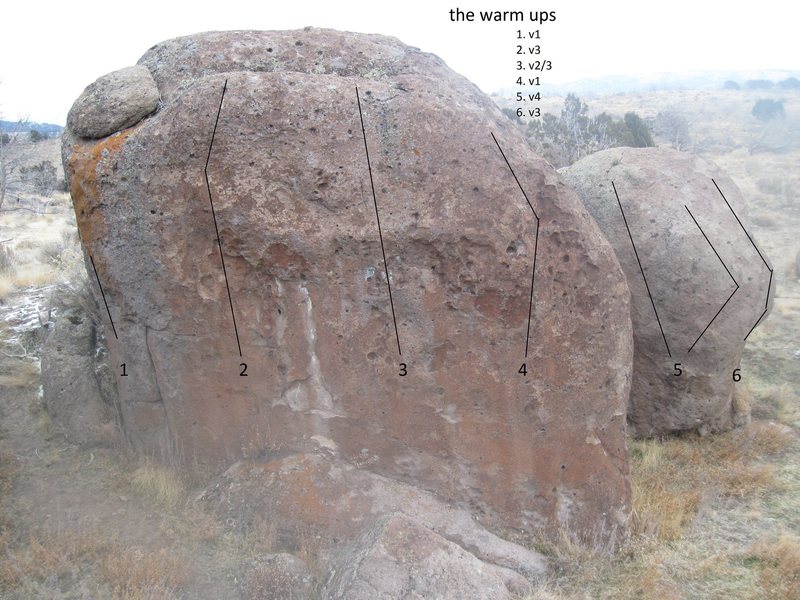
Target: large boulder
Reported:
point(699, 283)
point(267, 126)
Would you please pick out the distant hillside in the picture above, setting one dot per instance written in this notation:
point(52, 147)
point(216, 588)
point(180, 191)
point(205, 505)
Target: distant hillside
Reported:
point(697, 80)
point(48, 129)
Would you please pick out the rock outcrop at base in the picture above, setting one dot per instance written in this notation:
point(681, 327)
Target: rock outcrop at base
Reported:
point(699, 283)
point(293, 343)
point(399, 558)
point(78, 387)
point(369, 534)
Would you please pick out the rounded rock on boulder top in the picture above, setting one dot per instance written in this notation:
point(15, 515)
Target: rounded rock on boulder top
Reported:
point(113, 102)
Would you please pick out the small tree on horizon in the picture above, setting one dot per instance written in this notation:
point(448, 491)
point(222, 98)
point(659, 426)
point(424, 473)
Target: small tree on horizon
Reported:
point(766, 110)
point(10, 160)
point(760, 84)
point(674, 127)
point(640, 134)
point(569, 137)
point(790, 83)
point(42, 178)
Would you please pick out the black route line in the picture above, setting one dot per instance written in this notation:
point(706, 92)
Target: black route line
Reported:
point(761, 256)
point(650, 295)
point(214, 215)
point(102, 293)
point(535, 243)
point(726, 269)
point(378, 219)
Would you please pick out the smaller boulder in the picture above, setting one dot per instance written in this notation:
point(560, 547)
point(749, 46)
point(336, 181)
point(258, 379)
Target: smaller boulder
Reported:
point(113, 102)
point(699, 283)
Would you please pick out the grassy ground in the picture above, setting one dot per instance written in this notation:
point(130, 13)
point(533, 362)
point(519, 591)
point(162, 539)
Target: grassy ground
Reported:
point(41, 248)
point(85, 522)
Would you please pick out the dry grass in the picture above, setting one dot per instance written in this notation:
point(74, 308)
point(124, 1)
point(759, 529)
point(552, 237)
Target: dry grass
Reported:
point(9, 470)
point(779, 563)
point(133, 572)
point(8, 269)
point(50, 560)
point(57, 251)
point(159, 484)
point(34, 275)
point(147, 593)
point(192, 524)
point(588, 573)
point(26, 374)
point(260, 538)
point(779, 403)
point(687, 492)
point(8, 261)
point(44, 249)
point(47, 564)
point(9, 467)
point(670, 478)
point(7, 287)
point(49, 556)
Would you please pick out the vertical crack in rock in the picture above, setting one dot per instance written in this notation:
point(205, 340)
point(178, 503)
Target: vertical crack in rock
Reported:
point(170, 444)
point(322, 397)
point(280, 321)
point(152, 363)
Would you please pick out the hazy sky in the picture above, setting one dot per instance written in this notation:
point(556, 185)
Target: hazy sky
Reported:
point(50, 51)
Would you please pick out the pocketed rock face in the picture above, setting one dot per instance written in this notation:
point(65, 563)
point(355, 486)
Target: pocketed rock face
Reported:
point(293, 201)
point(708, 282)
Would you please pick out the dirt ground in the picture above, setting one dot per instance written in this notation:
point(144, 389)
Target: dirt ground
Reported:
point(76, 522)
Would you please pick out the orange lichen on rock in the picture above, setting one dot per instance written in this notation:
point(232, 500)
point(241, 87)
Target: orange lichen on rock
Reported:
point(82, 166)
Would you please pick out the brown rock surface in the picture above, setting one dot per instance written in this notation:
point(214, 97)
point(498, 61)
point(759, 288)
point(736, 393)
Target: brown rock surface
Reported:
point(293, 202)
point(695, 256)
